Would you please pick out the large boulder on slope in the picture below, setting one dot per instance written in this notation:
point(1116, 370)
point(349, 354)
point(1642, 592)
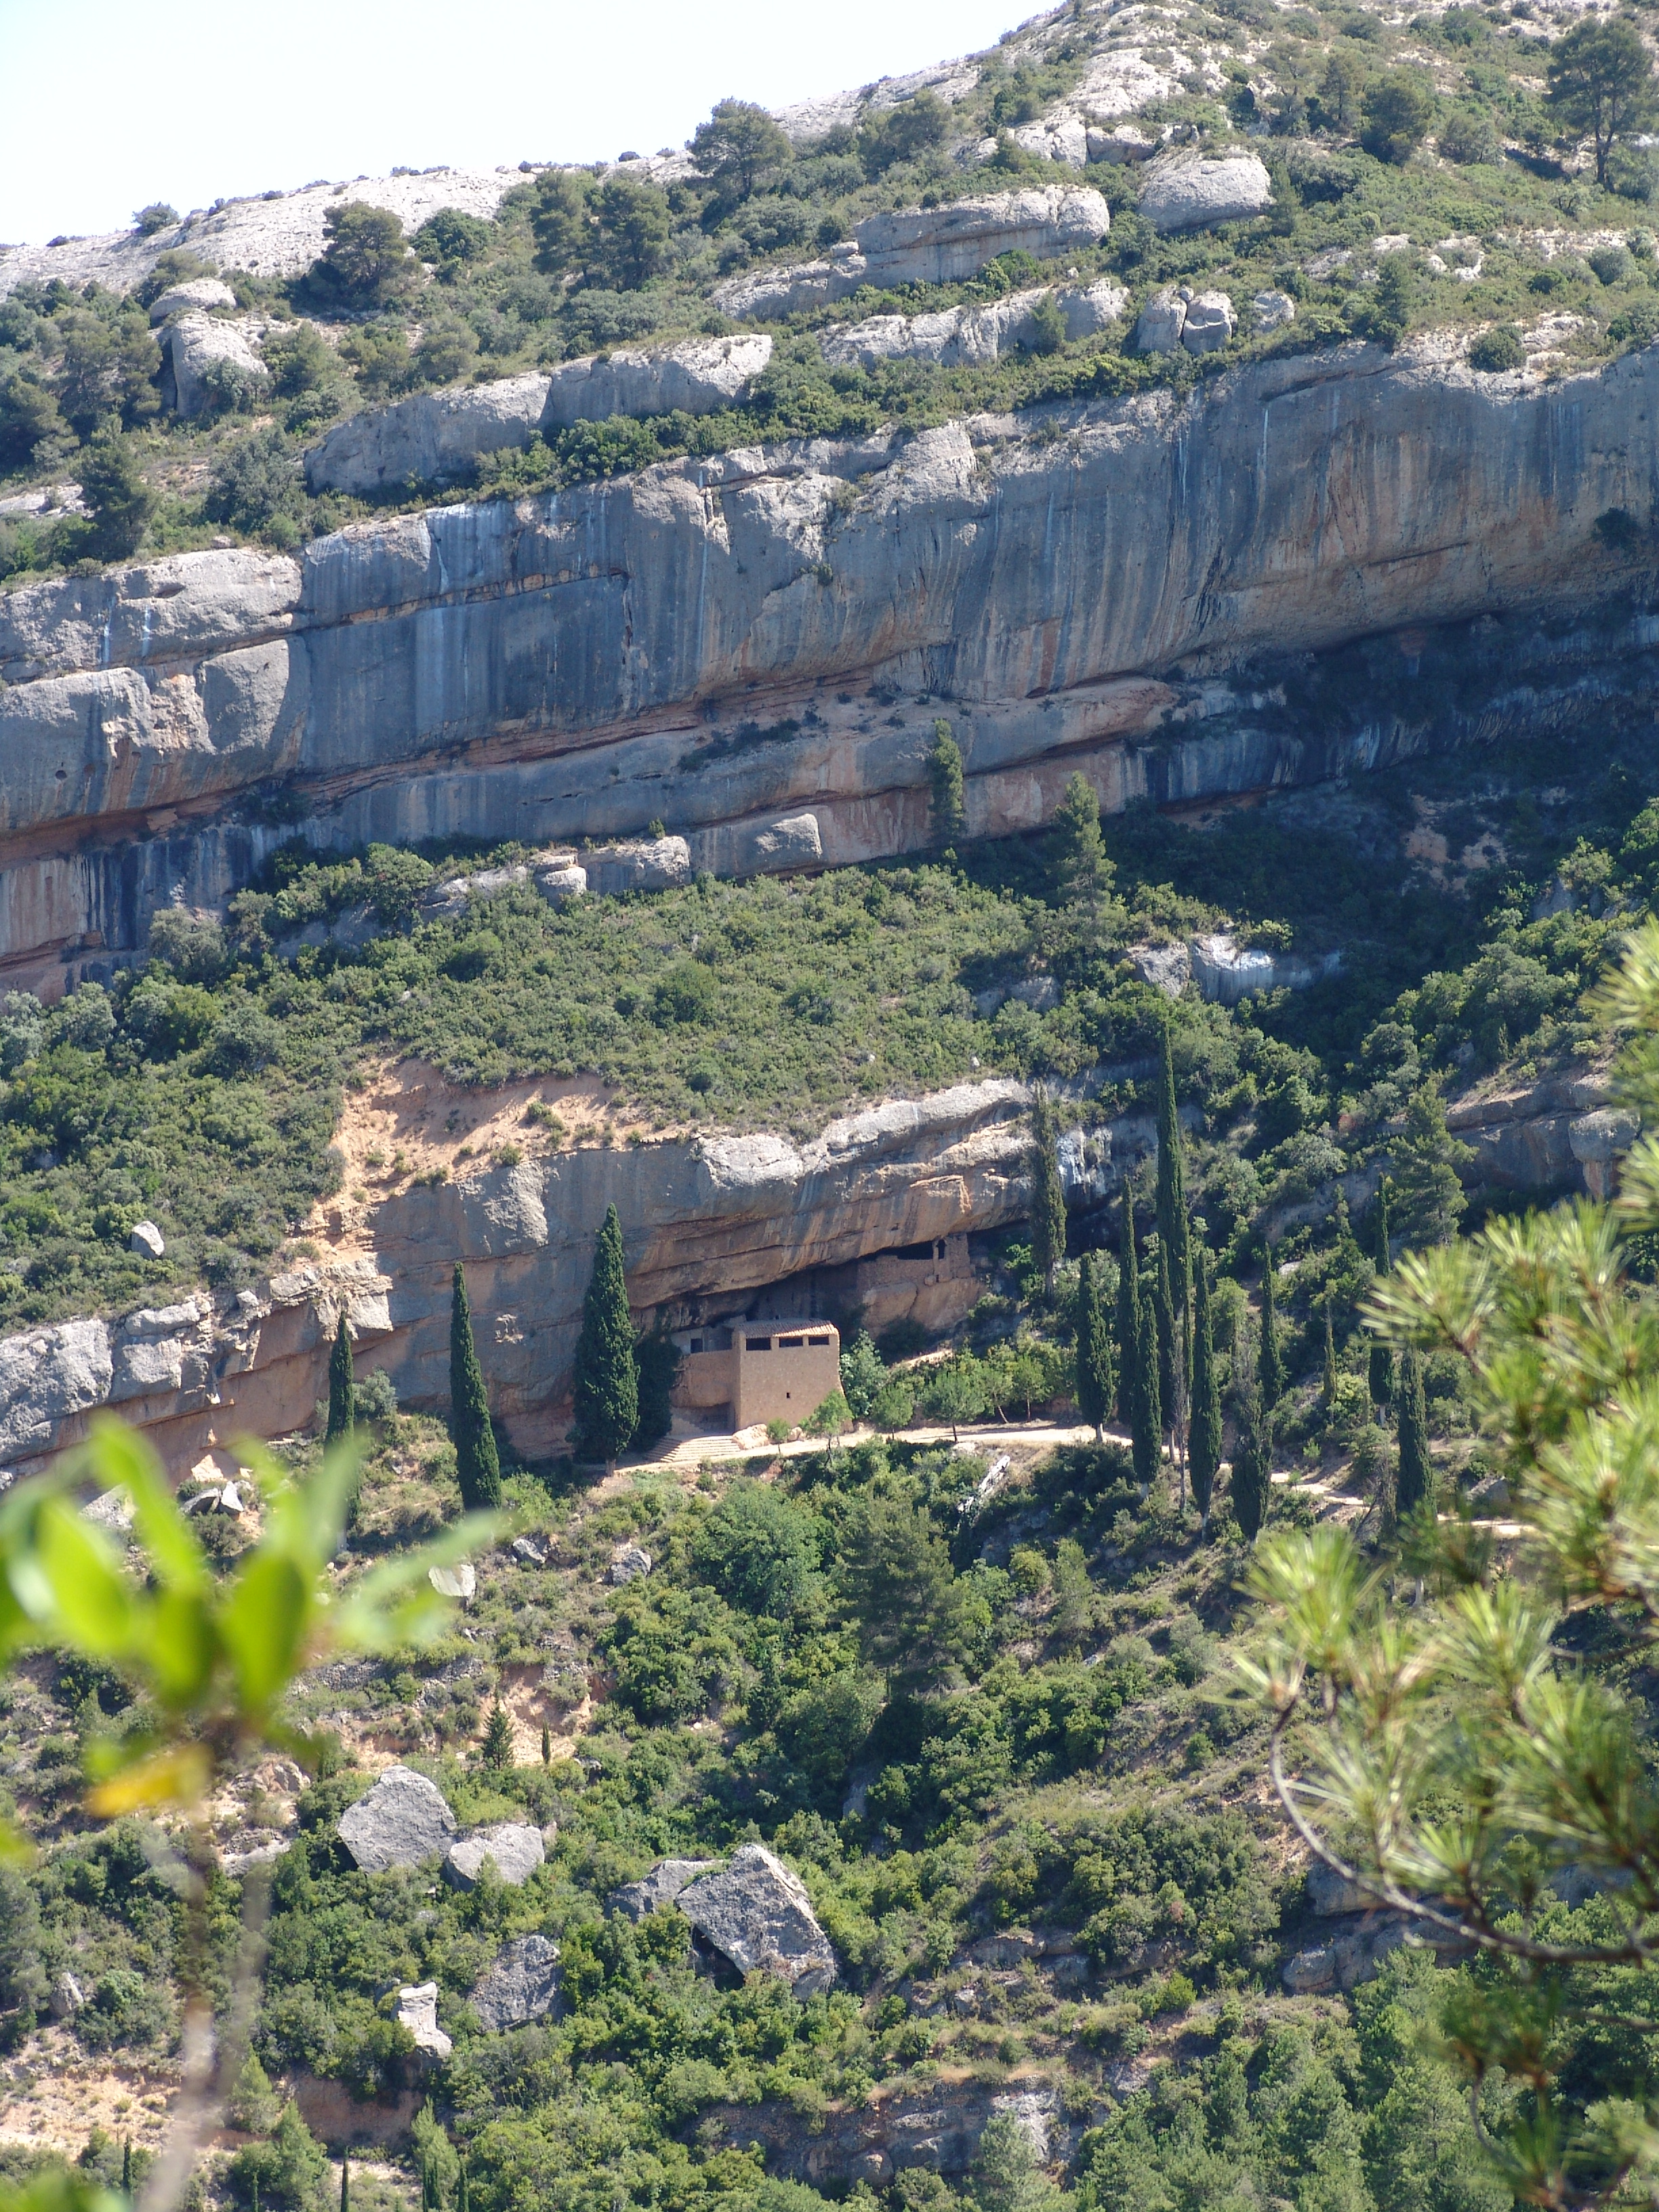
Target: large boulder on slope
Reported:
point(756, 1913)
point(515, 1847)
point(403, 1820)
point(522, 1985)
point(1185, 192)
point(194, 345)
point(662, 1886)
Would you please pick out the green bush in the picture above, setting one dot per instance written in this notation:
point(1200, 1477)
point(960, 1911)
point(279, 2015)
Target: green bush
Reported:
point(1495, 351)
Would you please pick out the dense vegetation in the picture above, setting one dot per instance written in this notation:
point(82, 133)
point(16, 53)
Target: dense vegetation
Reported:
point(1466, 137)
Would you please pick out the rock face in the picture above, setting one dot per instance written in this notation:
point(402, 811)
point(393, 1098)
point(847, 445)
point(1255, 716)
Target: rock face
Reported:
point(202, 293)
point(403, 1820)
point(959, 336)
point(516, 1849)
point(699, 643)
point(1185, 192)
point(436, 436)
point(1227, 972)
point(926, 246)
point(660, 1887)
point(193, 346)
point(936, 2126)
point(522, 1985)
point(756, 1913)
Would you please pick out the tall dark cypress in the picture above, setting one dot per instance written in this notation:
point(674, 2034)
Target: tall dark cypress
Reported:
point(1146, 1412)
point(1414, 1484)
point(607, 1371)
point(1129, 1319)
point(478, 1463)
point(1172, 1232)
point(1094, 1380)
point(1166, 1326)
point(1270, 1367)
point(1203, 1446)
point(1048, 1198)
point(1328, 1381)
point(1379, 1375)
point(126, 2169)
point(345, 2182)
point(341, 1394)
point(1253, 1452)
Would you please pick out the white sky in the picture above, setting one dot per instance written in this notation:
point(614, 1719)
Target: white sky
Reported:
point(108, 105)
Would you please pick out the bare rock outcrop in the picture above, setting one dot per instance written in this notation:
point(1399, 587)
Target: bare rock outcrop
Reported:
point(1187, 192)
point(403, 1820)
point(662, 1886)
point(927, 245)
point(1201, 322)
point(436, 437)
point(523, 1984)
point(935, 2126)
point(196, 345)
point(756, 1912)
point(200, 292)
point(1227, 972)
point(514, 1848)
point(417, 2011)
point(955, 337)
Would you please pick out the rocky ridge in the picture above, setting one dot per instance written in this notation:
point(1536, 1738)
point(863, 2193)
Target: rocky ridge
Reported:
point(720, 643)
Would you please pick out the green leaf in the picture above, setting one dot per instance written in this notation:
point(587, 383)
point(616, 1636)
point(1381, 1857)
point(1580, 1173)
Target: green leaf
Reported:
point(70, 1583)
point(118, 1458)
point(263, 1624)
point(181, 1648)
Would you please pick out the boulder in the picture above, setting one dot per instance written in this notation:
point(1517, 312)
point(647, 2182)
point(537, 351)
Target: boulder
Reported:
point(417, 2011)
point(560, 882)
point(637, 864)
point(111, 1510)
point(1599, 1141)
point(461, 1580)
point(958, 337)
point(516, 1849)
point(147, 1240)
point(201, 293)
point(756, 1913)
point(662, 1886)
point(68, 1996)
point(522, 1985)
point(627, 1565)
point(1271, 311)
point(195, 343)
point(1167, 967)
point(1161, 321)
point(926, 246)
point(1330, 1894)
point(1120, 141)
point(46, 1375)
point(1185, 192)
point(1210, 322)
point(438, 437)
point(403, 1820)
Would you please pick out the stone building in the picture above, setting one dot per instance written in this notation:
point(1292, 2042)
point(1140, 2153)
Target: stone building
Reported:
point(759, 1372)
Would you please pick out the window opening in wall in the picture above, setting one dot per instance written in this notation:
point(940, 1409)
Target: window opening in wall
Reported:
point(791, 1343)
point(757, 1344)
point(818, 1339)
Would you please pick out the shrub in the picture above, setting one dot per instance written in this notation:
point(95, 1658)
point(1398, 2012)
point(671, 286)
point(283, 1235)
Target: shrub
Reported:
point(757, 1549)
point(157, 215)
point(367, 258)
point(1467, 137)
point(121, 502)
point(1497, 350)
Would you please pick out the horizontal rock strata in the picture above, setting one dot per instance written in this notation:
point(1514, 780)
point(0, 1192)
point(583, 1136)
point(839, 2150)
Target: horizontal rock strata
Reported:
point(722, 643)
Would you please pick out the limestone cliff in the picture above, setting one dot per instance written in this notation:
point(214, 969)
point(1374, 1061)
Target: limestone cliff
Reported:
point(1130, 587)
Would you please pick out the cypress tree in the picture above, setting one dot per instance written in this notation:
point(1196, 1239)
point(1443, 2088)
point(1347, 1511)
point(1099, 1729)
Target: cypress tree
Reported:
point(1048, 1198)
point(1146, 1415)
point(126, 2169)
point(477, 1464)
point(607, 1373)
point(1414, 1485)
point(658, 1357)
point(1253, 1454)
point(1204, 1442)
point(1167, 1342)
point(1380, 1371)
point(947, 803)
point(1172, 1190)
point(1129, 1318)
point(462, 2203)
point(341, 1399)
point(1327, 1379)
point(547, 1745)
point(345, 2183)
point(1270, 1367)
point(1095, 1381)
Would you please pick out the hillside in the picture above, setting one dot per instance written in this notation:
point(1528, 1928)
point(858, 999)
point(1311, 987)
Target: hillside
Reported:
point(856, 692)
